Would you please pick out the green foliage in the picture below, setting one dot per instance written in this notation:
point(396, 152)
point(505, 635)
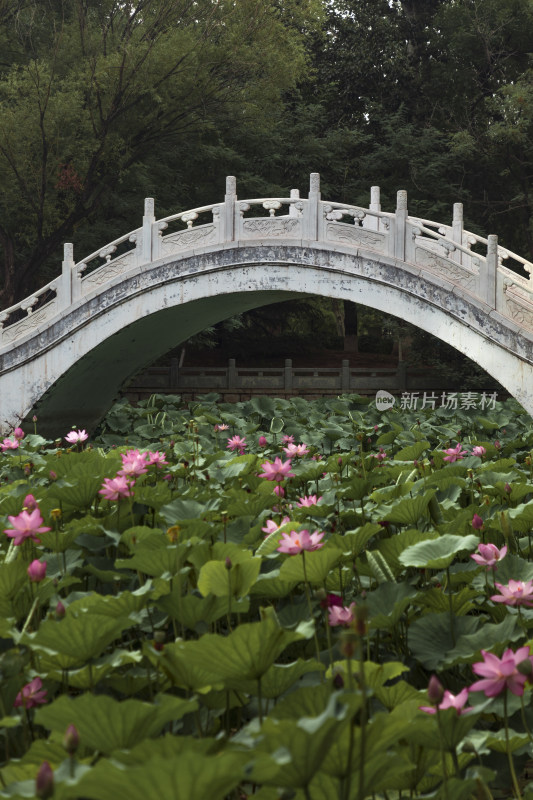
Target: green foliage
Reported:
point(194, 657)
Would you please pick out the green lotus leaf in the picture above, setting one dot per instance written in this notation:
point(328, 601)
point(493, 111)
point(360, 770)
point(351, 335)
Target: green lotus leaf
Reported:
point(387, 603)
point(412, 452)
point(73, 642)
point(438, 553)
point(489, 636)
point(271, 585)
point(153, 496)
point(279, 678)
point(409, 510)
point(247, 653)
point(461, 601)
point(180, 778)
point(306, 740)
point(180, 510)
point(215, 578)
point(106, 724)
point(167, 746)
point(431, 637)
point(155, 557)
point(394, 546)
point(318, 564)
point(90, 675)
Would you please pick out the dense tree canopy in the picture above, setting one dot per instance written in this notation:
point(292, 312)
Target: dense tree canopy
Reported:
point(93, 91)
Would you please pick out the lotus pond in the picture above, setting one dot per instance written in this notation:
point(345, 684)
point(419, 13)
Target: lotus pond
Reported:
point(269, 599)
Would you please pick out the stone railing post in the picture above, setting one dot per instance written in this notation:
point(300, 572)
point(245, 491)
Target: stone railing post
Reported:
point(489, 277)
point(312, 208)
point(228, 218)
point(232, 374)
point(146, 252)
point(68, 275)
point(293, 211)
point(400, 221)
point(457, 230)
point(371, 222)
point(287, 375)
point(345, 375)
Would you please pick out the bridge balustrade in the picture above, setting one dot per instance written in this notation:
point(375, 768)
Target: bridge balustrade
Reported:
point(454, 258)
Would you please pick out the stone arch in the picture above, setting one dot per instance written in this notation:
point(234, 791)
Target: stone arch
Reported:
point(70, 373)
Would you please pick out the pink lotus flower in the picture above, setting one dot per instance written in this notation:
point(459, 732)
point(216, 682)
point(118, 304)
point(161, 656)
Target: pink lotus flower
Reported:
point(497, 444)
point(455, 454)
point(295, 542)
point(75, 437)
point(293, 450)
point(500, 673)
point(37, 571)
point(516, 593)
point(479, 451)
point(156, 458)
point(341, 615)
point(450, 700)
point(276, 471)
point(287, 439)
point(19, 434)
point(272, 527)
point(489, 555)
point(308, 500)
point(116, 488)
point(236, 443)
point(133, 464)
point(25, 526)
point(331, 600)
point(31, 695)
point(262, 441)
point(381, 456)
point(221, 427)
point(9, 444)
point(279, 491)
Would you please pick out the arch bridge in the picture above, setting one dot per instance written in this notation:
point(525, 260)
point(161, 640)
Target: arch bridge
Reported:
point(66, 350)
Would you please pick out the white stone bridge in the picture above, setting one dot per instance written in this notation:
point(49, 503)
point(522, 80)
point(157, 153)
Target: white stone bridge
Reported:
point(66, 350)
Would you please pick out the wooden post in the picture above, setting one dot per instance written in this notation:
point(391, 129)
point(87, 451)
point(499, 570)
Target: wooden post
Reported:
point(287, 377)
point(232, 374)
point(345, 375)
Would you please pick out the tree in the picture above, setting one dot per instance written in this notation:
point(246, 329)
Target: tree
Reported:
point(90, 90)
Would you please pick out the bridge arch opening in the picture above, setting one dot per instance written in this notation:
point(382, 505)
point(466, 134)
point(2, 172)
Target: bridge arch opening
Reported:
point(134, 330)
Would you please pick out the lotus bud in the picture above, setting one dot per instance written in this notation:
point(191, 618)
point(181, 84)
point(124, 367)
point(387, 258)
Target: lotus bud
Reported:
point(59, 611)
point(477, 522)
point(159, 640)
point(338, 681)
point(52, 475)
point(18, 433)
point(435, 690)
point(507, 488)
point(37, 571)
point(227, 563)
point(262, 442)
point(71, 740)
point(44, 782)
point(30, 503)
